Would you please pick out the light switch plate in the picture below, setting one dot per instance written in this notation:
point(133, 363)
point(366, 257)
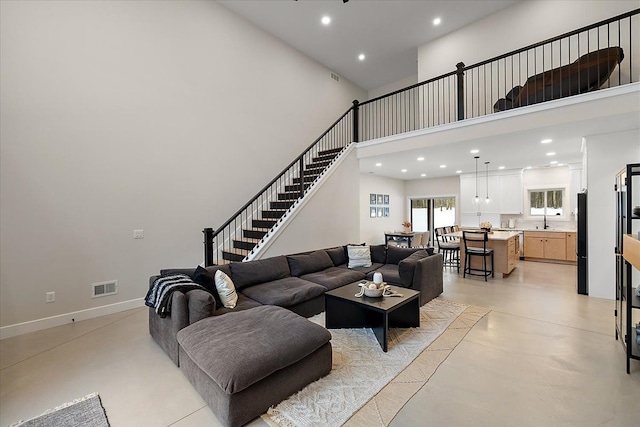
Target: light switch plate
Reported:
point(138, 234)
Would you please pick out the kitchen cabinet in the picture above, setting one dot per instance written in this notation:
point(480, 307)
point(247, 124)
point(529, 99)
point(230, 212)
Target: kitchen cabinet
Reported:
point(571, 247)
point(574, 189)
point(505, 192)
point(511, 194)
point(549, 245)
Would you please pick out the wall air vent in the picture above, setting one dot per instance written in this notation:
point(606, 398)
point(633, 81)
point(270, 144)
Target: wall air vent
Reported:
point(103, 289)
point(335, 77)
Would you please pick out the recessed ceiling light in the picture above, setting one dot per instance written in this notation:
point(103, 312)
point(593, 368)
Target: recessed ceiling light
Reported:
point(560, 164)
point(458, 171)
point(551, 153)
point(553, 162)
point(474, 151)
point(437, 21)
point(378, 164)
point(500, 167)
point(423, 174)
point(403, 170)
point(361, 57)
point(325, 20)
point(420, 159)
point(546, 141)
point(528, 167)
point(443, 166)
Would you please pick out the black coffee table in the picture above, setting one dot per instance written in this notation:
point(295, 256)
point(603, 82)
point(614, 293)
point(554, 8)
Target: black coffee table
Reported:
point(344, 310)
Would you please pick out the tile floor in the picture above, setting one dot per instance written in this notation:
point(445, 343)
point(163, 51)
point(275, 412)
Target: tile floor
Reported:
point(544, 356)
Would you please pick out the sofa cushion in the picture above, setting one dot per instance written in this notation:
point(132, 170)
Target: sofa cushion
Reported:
point(407, 266)
point(284, 292)
point(204, 278)
point(334, 277)
point(364, 270)
point(261, 271)
point(359, 256)
point(201, 305)
point(190, 271)
point(396, 254)
point(244, 303)
point(309, 263)
point(378, 254)
point(338, 255)
point(389, 274)
point(250, 345)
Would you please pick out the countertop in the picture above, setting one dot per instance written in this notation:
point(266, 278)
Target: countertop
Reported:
point(552, 230)
point(494, 235)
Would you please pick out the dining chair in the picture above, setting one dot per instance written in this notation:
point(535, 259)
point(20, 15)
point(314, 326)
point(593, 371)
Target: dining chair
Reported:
point(477, 251)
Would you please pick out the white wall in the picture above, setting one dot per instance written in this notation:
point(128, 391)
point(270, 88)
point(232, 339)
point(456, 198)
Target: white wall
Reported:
point(520, 25)
point(391, 87)
point(372, 229)
point(330, 218)
point(606, 156)
point(163, 116)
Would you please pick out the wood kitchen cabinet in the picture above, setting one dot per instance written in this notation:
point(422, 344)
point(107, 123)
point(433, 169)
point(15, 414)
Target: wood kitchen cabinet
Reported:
point(548, 245)
point(571, 247)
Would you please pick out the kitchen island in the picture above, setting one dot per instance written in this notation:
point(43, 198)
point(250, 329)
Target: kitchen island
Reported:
point(506, 251)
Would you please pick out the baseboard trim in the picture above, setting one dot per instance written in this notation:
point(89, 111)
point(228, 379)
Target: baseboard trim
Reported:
point(62, 319)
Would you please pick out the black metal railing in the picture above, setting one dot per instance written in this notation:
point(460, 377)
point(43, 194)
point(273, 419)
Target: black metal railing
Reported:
point(570, 64)
point(237, 236)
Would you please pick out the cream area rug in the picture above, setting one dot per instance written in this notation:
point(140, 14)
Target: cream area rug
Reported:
point(367, 387)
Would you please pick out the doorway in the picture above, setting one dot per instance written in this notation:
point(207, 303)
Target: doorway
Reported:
point(427, 214)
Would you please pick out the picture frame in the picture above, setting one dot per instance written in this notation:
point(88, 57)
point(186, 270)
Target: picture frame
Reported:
point(380, 199)
point(386, 199)
point(372, 212)
point(386, 212)
point(380, 212)
point(372, 199)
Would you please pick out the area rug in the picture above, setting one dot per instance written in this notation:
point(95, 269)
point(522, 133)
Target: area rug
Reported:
point(367, 386)
point(84, 412)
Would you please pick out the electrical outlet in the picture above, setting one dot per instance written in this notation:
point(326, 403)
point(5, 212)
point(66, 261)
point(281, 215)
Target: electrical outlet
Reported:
point(51, 297)
point(138, 234)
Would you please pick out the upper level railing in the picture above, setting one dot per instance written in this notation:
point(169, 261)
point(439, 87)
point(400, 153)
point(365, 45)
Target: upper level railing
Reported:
point(572, 63)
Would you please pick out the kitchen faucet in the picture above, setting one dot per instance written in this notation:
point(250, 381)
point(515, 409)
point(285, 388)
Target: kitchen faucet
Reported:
point(545, 225)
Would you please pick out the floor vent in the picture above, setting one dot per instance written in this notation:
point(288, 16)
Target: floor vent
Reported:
point(335, 77)
point(103, 289)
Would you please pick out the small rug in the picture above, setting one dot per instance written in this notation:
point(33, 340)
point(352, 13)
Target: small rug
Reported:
point(367, 386)
point(84, 412)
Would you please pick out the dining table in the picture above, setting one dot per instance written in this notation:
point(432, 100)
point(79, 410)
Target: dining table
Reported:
point(398, 235)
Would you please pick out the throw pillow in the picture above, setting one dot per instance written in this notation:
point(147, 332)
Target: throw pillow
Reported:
point(337, 255)
point(226, 289)
point(359, 256)
point(203, 278)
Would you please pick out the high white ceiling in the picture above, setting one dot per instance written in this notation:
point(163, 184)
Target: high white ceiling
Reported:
point(387, 32)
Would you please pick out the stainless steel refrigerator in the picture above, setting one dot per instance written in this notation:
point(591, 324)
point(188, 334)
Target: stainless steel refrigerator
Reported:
point(581, 246)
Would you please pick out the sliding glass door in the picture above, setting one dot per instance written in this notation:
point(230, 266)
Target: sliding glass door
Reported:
point(428, 214)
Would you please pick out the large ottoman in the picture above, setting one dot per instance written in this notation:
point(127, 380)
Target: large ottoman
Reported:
point(242, 363)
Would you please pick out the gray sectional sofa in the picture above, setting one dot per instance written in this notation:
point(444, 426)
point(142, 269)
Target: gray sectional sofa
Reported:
point(296, 282)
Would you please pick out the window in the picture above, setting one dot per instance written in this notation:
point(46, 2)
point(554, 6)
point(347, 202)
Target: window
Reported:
point(546, 202)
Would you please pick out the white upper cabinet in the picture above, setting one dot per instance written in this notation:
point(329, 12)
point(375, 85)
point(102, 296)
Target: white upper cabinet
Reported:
point(576, 187)
point(505, 192)
point(511, 193)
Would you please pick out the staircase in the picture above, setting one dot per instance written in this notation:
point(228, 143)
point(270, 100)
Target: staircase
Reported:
point(259, 226)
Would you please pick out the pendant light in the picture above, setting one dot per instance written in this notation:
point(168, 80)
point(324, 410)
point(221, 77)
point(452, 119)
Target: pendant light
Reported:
point(487, 200)
point(476, 199)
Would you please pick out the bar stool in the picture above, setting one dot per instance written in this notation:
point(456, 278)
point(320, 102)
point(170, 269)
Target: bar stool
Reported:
point(477, 236)
point(449, 248)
